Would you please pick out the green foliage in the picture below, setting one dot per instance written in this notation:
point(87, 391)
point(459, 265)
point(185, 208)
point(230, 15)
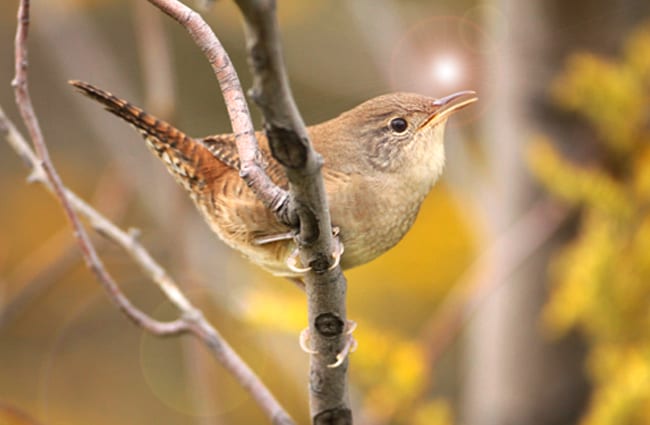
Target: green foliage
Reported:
point(602, 278)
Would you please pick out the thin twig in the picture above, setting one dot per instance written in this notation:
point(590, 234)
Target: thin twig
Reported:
point(43, 171)
point(273, 197)
point(192, 319)
point(291, 146)
point(156, 61)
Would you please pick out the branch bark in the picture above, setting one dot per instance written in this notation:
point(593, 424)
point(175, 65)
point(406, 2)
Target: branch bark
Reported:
point(273, 197)
point(43, 171)
point(291, 146)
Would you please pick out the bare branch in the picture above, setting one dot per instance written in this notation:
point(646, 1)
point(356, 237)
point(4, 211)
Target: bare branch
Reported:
point(192, 319)
point(273, 197)
point(290, 145)
point(43, 171)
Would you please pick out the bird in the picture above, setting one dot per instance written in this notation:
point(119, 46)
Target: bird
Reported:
point(381, 159)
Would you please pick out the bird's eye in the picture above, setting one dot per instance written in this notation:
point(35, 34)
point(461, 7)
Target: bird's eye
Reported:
point(398, 125)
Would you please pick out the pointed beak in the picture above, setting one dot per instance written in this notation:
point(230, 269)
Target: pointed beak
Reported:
point(445, 106)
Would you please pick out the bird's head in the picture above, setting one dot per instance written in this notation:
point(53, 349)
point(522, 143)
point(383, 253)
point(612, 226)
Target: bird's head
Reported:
point(400, 134)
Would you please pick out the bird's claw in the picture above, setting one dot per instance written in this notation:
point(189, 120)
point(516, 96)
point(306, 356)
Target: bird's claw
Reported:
point(304, 341)
point(293, 260)
point(349, 347)
point(339, 249)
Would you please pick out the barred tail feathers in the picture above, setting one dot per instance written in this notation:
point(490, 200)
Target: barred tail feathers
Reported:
point(187, 159)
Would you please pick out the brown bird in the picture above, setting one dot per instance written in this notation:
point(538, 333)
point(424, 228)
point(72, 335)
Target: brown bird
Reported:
point(381, 160)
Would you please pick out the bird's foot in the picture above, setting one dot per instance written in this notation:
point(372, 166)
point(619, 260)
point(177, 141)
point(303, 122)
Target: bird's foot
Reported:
point(293, 260)
point(305, 341)
point(349, 346)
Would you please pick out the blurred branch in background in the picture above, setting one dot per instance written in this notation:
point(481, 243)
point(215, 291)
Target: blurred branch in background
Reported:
point(156, 62)
point(486, 275)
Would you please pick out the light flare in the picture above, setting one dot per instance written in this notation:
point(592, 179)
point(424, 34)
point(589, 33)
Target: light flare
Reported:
point(446, 71)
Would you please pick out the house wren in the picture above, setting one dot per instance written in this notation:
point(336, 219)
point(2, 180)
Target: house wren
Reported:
point(381, 159)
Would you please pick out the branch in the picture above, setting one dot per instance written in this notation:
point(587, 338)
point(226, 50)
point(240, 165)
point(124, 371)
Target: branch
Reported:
point(43, 171)
point(273, 197)
point(306, 205)
point(290, 145)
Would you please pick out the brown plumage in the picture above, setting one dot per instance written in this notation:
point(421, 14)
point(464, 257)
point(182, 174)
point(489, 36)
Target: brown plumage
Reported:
point(377, 172)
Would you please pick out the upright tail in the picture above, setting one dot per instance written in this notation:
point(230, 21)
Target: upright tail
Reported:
point(187, 159)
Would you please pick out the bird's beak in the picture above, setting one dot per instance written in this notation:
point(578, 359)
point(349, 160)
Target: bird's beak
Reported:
point(444, 106)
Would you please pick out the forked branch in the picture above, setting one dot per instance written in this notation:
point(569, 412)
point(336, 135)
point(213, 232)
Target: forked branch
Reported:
point(305, 207)
point(43, 171)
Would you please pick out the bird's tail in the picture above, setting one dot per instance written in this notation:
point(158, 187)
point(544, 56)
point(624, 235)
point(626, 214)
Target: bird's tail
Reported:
point(187, 159)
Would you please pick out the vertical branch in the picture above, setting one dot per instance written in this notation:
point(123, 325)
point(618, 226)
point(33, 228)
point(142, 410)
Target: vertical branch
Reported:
point(291, 146)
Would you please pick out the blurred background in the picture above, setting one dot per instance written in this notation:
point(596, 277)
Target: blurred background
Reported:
point(521, 295)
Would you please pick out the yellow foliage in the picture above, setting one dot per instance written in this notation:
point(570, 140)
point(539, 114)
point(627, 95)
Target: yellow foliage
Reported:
point(271, 310)
point(601, 280)
point(608, 95)
point(578, 185)
point(623, 397)
point(637, 54)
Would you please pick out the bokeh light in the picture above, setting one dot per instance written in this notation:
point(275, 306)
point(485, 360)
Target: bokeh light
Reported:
point(441, 55)
point(446, 70)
